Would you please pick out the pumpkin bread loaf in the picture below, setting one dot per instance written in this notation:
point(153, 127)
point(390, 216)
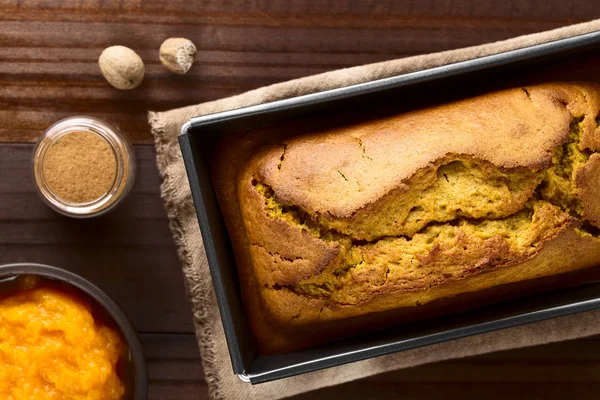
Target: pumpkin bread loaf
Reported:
point(333, 227)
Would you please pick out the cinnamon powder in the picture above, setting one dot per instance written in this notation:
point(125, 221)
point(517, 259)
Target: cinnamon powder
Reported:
point(80, 167)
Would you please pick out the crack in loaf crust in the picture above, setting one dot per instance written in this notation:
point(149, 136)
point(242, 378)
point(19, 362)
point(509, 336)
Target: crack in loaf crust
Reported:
point(401, 211)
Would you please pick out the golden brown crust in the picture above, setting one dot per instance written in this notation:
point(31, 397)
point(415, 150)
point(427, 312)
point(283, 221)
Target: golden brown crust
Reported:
point(507, 128)
point(588, 183)
point(337, 225)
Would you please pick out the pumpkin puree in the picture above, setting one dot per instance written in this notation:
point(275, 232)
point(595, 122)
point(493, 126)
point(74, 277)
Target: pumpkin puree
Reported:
point(51, 348)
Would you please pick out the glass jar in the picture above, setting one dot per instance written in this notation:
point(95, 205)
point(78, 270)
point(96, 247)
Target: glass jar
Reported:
point(110, 142)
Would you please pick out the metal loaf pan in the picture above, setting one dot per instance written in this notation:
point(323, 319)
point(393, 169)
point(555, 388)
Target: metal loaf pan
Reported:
point(436, 84)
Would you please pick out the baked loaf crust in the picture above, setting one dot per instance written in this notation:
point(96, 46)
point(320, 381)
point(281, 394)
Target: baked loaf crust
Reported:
point(334, 227)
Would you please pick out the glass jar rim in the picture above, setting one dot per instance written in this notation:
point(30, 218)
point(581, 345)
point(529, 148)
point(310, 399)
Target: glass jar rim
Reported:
point(124, 174)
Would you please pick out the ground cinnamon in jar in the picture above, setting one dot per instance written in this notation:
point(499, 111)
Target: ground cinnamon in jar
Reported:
point(83, 167)
point(80, 167)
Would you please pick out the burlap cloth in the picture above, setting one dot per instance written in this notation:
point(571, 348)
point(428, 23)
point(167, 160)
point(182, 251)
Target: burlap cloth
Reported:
point(211, 339)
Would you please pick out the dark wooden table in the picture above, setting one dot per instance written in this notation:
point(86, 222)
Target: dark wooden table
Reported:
point(48, 71)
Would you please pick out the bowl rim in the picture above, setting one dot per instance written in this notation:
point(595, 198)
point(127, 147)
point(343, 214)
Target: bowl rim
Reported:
point(82, 284)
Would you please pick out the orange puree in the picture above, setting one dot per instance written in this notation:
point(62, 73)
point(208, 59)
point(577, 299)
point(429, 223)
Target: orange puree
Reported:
point(51, 348)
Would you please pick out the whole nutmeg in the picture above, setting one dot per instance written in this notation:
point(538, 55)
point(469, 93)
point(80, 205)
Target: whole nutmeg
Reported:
point(177, 54)
point(121, 67)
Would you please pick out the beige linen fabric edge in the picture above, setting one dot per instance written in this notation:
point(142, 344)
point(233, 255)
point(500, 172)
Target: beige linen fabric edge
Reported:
point(176, 194)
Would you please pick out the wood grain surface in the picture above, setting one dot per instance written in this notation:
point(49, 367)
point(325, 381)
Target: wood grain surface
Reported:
point(48, 71)
point(49, 49)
